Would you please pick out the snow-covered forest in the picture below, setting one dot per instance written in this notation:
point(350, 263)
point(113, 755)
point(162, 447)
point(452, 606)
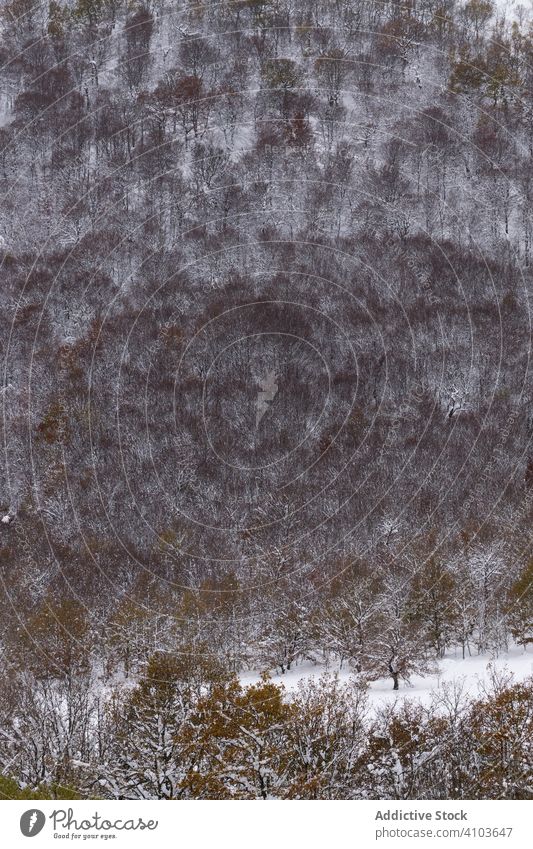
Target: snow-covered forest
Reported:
point(267, 404)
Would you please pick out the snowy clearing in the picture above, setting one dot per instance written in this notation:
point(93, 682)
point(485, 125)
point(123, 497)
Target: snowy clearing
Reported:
point(472, 672)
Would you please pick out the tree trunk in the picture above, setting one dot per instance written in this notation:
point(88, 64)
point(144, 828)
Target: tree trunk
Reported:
point(394, 673)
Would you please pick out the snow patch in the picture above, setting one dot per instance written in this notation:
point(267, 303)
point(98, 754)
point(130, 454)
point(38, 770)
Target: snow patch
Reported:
point(471, 672)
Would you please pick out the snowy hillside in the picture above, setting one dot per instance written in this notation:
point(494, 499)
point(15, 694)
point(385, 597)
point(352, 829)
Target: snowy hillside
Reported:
point(266, 395)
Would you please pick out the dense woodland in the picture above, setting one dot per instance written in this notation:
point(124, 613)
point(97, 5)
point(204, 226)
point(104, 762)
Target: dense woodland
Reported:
point(265, 337)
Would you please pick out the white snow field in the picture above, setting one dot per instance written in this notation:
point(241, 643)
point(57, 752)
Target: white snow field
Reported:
point(471, 673)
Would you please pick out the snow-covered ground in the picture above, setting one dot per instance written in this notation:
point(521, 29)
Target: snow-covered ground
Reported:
point(514, 10)
point(472, 672)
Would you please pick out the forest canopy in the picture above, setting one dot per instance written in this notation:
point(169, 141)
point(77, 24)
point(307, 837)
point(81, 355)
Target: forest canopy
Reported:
point(266, 396)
